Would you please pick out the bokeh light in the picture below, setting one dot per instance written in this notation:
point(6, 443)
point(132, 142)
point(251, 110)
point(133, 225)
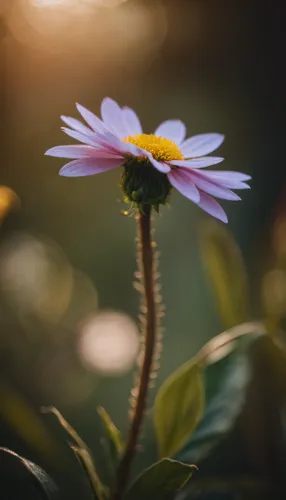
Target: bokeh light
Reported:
point(35, 276)
point(76, 3)
point(8, 201)
point(68, 25)
point(50, 3)
point(109, 343)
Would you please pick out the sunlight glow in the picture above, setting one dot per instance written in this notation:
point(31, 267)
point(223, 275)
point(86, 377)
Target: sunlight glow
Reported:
point(49, 3)
point(56, 3)
point(35, 276)
point(109, 343)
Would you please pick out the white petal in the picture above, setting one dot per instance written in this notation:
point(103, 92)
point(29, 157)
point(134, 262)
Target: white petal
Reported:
point(172, 129)
point(200, 145)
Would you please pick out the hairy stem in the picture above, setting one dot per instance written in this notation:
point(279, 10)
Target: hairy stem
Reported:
point(147, 265)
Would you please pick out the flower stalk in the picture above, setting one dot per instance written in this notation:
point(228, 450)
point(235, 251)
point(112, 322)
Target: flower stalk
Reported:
point(147, 266)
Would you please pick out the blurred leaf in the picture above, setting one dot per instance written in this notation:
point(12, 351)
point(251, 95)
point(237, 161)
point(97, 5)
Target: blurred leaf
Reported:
point(274, 298)
point(223, 344)
point(240, 443)
point(225, 382)
point(178, 408)
point(114, 436)
point(16, 468)
point(225, 267)
point(100, 491)
point(83, 454)
point(22, 418)
point(160, 481)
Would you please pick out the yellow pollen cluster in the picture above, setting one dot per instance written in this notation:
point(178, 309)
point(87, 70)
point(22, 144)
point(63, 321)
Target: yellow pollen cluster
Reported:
point(161, 149)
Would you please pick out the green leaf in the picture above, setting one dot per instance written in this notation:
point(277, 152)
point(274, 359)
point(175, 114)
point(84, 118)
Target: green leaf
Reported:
point(112, 432)
point(83, 454)
point(225, 382)
point(243, 426)
point(225, 268)
point(160, 481)
point(16, 468)
point(178, 408)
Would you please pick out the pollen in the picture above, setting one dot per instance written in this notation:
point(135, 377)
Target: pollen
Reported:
point(161, 149)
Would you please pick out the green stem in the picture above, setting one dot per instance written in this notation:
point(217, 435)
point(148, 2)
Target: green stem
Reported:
point(147, 264)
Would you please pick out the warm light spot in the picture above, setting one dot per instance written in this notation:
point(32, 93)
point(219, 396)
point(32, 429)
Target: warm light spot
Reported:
point(162, 149)
point(48, 3)
point(8, 201)
point(83, 301)
point(80, 3)
point(35, 276)
point(109, 343)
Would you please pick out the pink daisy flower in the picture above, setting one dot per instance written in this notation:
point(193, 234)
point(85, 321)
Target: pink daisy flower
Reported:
point(161, 160)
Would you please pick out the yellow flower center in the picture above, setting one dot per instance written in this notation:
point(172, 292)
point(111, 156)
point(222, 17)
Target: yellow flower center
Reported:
point(161, 149)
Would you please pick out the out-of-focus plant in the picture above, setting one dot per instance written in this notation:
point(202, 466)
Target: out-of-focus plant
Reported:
point(8, 201)
point(154, 164)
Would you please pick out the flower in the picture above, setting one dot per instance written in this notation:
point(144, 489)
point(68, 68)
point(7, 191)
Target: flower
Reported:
point(153, 163)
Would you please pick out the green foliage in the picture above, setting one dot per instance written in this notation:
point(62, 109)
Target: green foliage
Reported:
point(83, 454)
point(225, 268)
point(36, 480)
point(112, 431)
point(112, 441)
point(178, 408)
point(160, 481)
point(239, 444)
point(225, 383)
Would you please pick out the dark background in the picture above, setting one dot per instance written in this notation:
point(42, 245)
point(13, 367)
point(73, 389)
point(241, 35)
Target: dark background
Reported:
point(217, 65)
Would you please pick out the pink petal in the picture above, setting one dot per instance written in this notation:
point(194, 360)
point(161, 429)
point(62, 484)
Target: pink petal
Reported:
point(113, 143)
point(172, 129)
point(203, 183)
point(212, 207)
point(203, 162)
point(181, 180)
point(229, 179)
point(161, 166)
point(79, 136)
point(84, 167)
point(132, 122)
point(113, 117)
point(69, 151)
point(200, 145)
point(93, 121)
point(76, 125)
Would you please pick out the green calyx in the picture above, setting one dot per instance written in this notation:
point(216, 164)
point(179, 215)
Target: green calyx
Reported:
point(142, 184)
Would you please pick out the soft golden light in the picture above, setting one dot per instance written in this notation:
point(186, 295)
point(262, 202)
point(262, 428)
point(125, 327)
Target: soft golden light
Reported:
point(69, 3)
point(8, 201)
point(35, 276)
point(109, 343)
point(48, 3)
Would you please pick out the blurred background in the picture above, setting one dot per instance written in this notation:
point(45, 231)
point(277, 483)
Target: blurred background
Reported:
point(68, 311)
